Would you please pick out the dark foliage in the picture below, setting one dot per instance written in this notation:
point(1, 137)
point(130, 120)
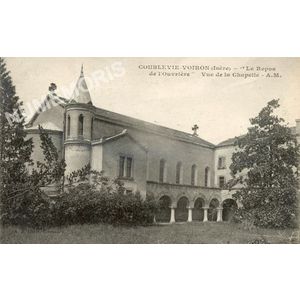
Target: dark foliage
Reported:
point(83, 205)
point(99, 200)
point(266, 164)
point(15, 149)
point(94, 198)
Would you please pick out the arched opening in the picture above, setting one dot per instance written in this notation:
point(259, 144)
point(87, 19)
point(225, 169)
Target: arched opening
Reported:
point(212, 211)
point(207, 177)
point(179, 173)
point(194, 175)
point(68, 126)
point(229, 209)
point(164, 211)
point(181, 212)
point(80, 125)
point(198, 212)
point(162, 171)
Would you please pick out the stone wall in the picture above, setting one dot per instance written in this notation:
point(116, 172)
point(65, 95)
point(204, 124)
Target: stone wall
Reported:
point(226, 152)
point(125, 146)
point(169, 149)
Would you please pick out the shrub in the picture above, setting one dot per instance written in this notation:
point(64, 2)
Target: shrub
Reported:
point(87, 200)
point(29, 209)
point(268, 216)
point(83, 204)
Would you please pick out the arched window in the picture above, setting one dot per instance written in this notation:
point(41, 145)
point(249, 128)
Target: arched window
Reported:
point(68, 126)
point(80, 125)
point(207, 177)
point(194, 175)
point(179, 173)
point(162, 171)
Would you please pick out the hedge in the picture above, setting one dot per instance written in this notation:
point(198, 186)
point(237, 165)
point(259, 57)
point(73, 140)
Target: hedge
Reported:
point(83, 204)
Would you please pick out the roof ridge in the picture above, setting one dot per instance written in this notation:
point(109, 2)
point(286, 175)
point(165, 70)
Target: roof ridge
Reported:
point(116, 136)
point(43, 103)
point(230, 141)
point(129, 118)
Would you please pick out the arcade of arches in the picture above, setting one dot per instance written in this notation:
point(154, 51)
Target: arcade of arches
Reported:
point(198, 209)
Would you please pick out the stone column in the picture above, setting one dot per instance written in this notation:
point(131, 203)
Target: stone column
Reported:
point(205, 209)
point(219, 215)
point(172, 219)
point(154, 220)
point(190, 211)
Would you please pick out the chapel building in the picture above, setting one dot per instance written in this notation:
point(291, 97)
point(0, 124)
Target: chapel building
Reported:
point(183, 171)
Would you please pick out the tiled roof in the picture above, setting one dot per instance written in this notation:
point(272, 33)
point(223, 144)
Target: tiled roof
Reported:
point(230, 142)
point(150, 127)
point(47, 126)
point(45, 103)
point(109, 138)
point(117, 136)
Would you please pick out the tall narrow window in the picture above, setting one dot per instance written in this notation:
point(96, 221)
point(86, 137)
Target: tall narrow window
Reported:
point(221, 181)
point(80, 125)
point(221, 162)
point(206, 177)
point(129, 167)
point(121, 166)
point(92, 128)
point(194, 175)
point(162, 170)
point(125, 167)
point(179, 173)
point(68, 125)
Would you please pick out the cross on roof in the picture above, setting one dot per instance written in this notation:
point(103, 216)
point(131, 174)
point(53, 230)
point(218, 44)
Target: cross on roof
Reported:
point(195, 128)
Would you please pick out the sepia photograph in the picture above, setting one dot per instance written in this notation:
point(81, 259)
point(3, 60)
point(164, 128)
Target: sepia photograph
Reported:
point(150, 150)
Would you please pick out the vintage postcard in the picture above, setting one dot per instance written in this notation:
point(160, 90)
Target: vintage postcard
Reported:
point(150, 150)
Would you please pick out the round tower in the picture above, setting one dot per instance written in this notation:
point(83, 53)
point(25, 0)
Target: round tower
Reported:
point(78, 127)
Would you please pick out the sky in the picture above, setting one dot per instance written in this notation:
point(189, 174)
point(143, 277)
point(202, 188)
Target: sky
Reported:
point(220, 106)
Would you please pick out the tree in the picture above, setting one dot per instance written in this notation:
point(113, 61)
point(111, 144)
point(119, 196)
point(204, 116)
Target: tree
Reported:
point(52, 169)
point(15, 149)
point(21, 199)
point(265, 163)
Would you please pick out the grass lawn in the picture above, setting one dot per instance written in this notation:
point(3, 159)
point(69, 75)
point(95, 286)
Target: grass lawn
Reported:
point(199, 233)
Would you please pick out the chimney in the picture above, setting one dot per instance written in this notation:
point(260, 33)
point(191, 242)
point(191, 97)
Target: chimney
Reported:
point(298, 126)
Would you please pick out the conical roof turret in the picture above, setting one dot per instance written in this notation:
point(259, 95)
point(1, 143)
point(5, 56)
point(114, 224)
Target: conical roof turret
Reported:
point(81, 92)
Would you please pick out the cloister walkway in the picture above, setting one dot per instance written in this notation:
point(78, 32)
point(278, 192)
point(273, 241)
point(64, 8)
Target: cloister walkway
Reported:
point(187, 203)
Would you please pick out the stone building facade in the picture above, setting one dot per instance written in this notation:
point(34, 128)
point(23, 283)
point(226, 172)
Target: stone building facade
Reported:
point(184, 172)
